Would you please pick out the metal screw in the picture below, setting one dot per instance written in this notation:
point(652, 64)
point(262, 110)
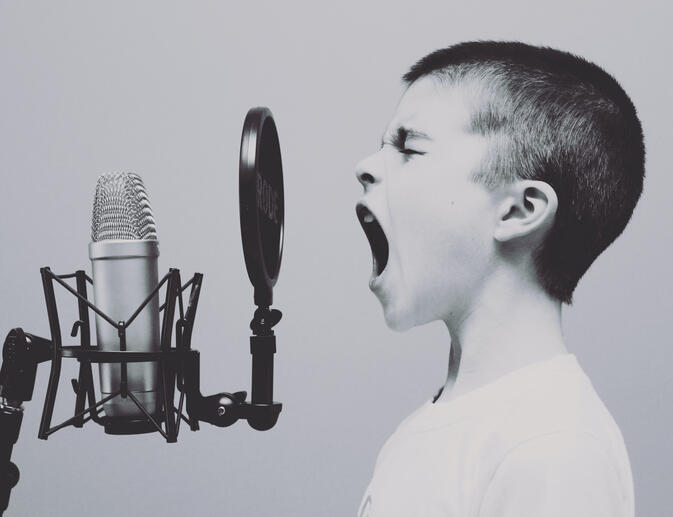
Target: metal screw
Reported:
point(221, 410)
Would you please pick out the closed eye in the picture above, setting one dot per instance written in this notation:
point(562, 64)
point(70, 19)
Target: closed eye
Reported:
point(409, 151)
point(403, 150)
point(399, 139)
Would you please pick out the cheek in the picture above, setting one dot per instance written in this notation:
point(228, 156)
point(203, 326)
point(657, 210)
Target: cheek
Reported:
point(445, 237)
point(435, 216)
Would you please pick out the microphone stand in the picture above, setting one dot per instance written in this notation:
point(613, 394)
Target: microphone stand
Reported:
point(179, 366)
point(21, 353)
point(10, 425)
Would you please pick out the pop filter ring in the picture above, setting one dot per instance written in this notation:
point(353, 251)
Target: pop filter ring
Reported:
point(261, 181)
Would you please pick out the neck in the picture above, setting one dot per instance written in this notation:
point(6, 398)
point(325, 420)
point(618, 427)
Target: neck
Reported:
point(508, 326)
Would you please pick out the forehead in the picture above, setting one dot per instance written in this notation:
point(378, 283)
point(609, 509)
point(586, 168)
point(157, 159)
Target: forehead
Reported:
point(435, 108)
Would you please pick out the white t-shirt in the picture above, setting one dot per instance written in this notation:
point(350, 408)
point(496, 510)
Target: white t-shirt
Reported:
point(536, 442)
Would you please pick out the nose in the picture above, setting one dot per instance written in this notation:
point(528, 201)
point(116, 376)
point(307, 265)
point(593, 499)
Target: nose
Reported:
point(367, 171)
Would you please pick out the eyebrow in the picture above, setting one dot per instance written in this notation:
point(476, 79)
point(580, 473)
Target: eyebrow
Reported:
point(402, 134)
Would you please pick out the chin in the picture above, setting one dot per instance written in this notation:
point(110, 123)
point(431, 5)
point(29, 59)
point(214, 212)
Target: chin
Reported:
point(398, 319)
point(402, 317)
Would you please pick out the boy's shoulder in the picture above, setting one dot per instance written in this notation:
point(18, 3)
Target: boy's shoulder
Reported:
point(555, 431)
point(549, 398)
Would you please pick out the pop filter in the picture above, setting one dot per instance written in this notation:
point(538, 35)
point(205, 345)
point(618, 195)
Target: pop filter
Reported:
point(261, 202)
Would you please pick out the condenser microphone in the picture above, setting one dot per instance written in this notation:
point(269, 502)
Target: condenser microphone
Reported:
point(124, 256)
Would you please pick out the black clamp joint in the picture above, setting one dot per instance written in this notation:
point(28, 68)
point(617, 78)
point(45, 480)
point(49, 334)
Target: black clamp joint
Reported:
point(264, 320)
point(222, 409)
point(21, 353)
point(262, 411)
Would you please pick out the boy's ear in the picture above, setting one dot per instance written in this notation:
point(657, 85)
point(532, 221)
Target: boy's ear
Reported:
point(527, 207)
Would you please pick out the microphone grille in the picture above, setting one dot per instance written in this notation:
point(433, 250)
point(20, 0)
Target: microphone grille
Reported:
point(121, 209)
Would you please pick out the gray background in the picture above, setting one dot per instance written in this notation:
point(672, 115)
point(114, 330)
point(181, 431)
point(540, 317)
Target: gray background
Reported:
point(161, 89)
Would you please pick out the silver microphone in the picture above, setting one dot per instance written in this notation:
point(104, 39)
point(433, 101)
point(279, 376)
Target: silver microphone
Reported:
point(124, 257)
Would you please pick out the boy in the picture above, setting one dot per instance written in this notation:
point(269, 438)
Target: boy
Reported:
point(506, 170)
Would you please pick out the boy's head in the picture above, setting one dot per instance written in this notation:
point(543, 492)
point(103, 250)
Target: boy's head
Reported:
point(498, 153)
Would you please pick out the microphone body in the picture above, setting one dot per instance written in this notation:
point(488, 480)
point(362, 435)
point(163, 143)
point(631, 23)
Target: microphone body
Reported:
point(124, 257)
point(124, 274)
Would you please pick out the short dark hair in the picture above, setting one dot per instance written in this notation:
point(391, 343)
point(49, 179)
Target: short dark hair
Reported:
point(555, 117)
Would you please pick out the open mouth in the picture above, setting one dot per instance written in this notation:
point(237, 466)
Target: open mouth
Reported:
point(375, 236)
